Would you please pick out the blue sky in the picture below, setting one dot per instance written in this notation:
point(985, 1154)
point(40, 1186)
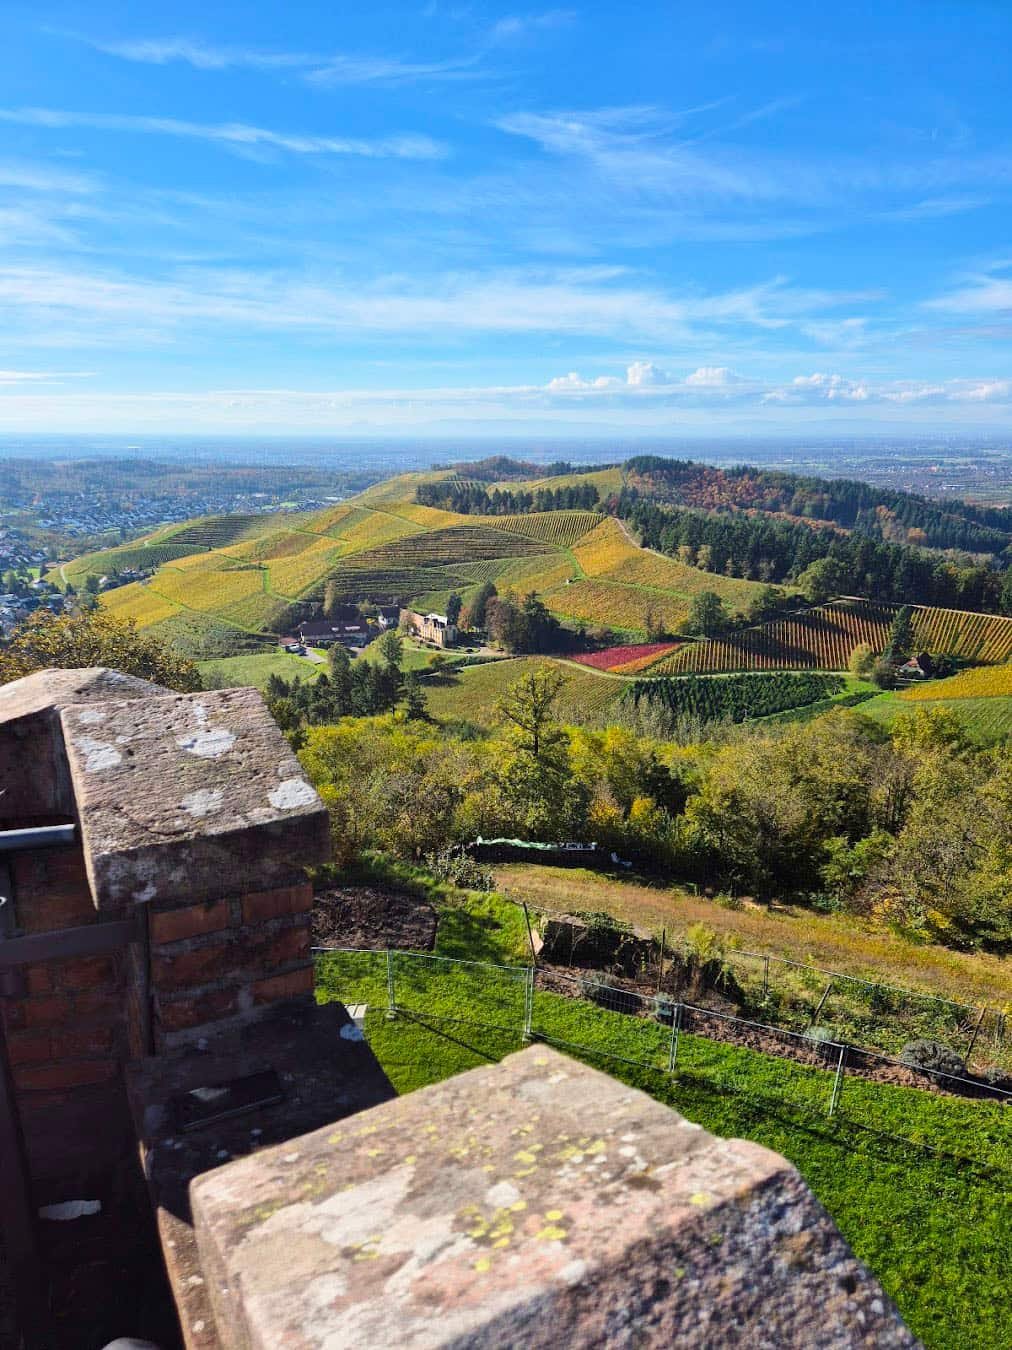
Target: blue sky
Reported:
point(418, 218)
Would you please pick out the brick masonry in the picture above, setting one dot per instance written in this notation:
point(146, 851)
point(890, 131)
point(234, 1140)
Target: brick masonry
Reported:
point(226, 960)
point(194, 819)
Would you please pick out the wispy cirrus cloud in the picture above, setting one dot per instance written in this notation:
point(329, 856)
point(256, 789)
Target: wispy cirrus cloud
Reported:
point(235, 135)
point(11, 377)
point(936, 208)
point(163, 51)
point(326, 68)
point(316, 67)
point(602, 302)
point(45, 179)
point(988, 292)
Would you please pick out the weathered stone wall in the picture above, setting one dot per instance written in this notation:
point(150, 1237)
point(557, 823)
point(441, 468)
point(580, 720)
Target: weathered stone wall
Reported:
point(534, 1203)
point(178, 799)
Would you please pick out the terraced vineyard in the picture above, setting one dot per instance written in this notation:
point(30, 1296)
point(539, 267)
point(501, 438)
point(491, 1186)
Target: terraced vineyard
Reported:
point(628, 608)
point(984, 682)
point(131, 556)
point(555, 527)
point(418, 563)
point(823, 639)
point(621, 586)
point(218, 531)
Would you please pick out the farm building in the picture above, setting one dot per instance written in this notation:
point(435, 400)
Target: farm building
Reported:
point(324, 632)
point(919, 667)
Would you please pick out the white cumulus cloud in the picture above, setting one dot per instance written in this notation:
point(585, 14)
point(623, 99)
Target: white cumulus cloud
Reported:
point(642, 373)
point(712, 377)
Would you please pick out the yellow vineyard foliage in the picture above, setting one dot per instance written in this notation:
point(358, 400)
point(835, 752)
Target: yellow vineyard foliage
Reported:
point(983, 682)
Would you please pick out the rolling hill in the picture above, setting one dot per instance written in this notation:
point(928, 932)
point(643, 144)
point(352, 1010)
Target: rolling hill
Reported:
point(253, 576)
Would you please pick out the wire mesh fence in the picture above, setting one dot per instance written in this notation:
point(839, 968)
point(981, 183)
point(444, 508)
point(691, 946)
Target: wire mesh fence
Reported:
point(799, 997)
point(771, 1064)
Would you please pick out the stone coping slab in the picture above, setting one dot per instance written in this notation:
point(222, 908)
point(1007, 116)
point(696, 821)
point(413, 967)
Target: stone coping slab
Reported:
point(532, 1203)
point(187, 795)
point(55, 688)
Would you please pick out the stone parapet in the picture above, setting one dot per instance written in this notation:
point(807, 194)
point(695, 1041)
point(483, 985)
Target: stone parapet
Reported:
point(533, 1203)
point(189, 797)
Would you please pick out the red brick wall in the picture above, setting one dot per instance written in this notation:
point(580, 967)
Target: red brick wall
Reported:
point(69, 1029)
point(79, 1020)
point(227, 959)
point(51, 889)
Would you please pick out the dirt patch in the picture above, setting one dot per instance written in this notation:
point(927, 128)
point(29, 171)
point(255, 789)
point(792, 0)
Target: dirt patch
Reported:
point(363, 916)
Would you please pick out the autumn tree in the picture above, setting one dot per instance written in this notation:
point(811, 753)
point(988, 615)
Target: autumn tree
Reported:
point(93, 638)
point(862, 662)
point(528, 708)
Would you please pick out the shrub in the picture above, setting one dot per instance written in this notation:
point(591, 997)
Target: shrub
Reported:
point(934, 1058)
point(824, 1040)
point(459, 870)
point(822, 1035)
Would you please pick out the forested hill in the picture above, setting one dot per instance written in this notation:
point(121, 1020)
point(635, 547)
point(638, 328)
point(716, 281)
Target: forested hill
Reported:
point(880, 513)
point(824, 537)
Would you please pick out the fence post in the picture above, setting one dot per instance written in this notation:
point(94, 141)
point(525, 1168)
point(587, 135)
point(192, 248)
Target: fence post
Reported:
point(766, 977)
point(676, 1022)
point(973, 1038)
point(529, 1005)
point(822, 1001)
point(838, 1081)
point(391, 993)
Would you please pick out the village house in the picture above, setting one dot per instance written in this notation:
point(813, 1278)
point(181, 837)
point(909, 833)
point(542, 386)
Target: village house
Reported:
point(919, 667)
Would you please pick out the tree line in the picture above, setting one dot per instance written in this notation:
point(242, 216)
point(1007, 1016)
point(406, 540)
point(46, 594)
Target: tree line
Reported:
point(878, 511)
point(499, 468)
point(473, 499)
point(821, 562)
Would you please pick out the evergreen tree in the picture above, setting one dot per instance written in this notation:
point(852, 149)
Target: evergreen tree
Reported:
point(477, 617)
point(900, 645)
point(707, 614)
point(414, 696)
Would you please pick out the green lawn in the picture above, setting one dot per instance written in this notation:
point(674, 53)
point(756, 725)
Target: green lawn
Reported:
point(471, 695)
point(987, 720)
point(256, 669)
point(917, 1183)
point(416, 656)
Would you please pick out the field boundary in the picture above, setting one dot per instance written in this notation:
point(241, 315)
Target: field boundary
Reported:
point(530, 1003)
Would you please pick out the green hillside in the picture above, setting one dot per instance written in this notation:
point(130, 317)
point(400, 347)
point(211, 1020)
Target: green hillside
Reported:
point(257, 575)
